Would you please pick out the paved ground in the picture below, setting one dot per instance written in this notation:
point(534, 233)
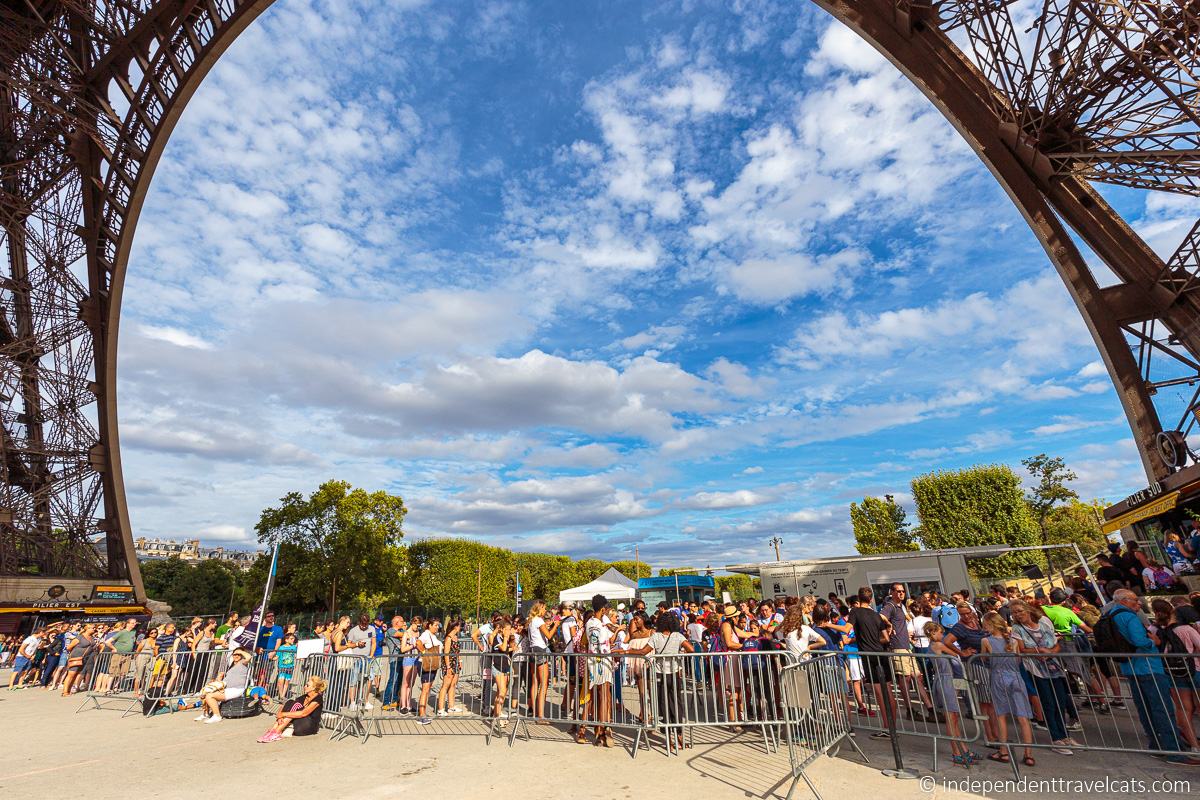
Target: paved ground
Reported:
point(51, 748)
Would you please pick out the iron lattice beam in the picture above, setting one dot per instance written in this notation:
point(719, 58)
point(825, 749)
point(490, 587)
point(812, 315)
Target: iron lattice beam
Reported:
point(90, 90)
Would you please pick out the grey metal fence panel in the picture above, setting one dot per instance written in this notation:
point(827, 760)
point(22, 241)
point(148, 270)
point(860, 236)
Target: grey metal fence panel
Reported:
point(817, 721)
point(725, 694)
point(1131, 703)
point(583, 691)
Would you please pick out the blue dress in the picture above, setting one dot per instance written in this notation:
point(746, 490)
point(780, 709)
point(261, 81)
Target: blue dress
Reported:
point(1008, 692)
point(945, 696)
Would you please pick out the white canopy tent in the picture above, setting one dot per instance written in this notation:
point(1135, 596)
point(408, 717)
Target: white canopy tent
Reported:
point(612, 584)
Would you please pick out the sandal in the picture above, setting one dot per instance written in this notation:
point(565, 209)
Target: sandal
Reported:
point(962, 761)
point(1028, 761)
point(1000, 757)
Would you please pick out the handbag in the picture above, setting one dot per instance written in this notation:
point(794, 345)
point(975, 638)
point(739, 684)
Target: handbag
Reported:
point(431, 659)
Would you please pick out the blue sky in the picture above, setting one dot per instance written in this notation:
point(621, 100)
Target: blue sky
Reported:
point(570, 277)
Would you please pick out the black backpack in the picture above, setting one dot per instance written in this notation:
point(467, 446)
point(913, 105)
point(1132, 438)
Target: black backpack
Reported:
point(1109, 639)
point(241, 706)
point(1177, 667)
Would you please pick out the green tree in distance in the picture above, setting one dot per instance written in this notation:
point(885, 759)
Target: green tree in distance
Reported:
point(1052, 477)
point(1076, 522)
point(351, 534)
point(739, 586)
point(982, 505)
point(880, 526)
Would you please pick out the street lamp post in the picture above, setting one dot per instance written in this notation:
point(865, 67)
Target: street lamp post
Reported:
point(776, 541)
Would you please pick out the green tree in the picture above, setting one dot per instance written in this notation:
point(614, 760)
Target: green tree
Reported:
point(880, 526)
point(1052, 477)
point(1077, 523)
point(543, 575)
point(159, 576)
point(588, 569)
point(982, 505)
point(351, 534)
point(739, 586)
point(443, 574)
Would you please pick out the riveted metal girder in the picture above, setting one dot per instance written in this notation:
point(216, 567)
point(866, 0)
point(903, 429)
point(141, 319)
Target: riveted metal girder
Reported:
point(90, 90)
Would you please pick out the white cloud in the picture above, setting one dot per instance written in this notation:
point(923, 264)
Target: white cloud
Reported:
point(588, 456)
point(698, 93)
point(738, 498)
point(771, 280)
point(225, 533)
point(175, 336)
point(1033, 320)
point(659, 337)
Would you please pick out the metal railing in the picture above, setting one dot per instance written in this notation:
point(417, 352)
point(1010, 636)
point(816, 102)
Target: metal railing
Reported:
point(1131, 703)
point(168, 681)
point(924, 695)
point(817, 722)
point(582, 691)
point(725, 694)
point(403, 694)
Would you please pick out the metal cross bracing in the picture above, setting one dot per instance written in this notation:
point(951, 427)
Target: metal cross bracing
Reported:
point(91, 90)
point(1054, 96)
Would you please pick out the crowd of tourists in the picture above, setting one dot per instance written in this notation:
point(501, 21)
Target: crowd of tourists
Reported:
point(1033, 662)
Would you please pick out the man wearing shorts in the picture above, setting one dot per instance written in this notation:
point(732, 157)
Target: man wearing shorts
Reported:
point(871, 631)
point(120, 646)
point(361, 639)
point(24, 660)
point(897, 615)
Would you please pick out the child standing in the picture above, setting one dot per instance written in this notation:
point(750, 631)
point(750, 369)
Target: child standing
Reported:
point(1009, 696)
point(945, 696)
point(286, 661)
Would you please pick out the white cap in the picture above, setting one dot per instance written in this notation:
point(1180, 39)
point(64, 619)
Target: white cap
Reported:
point(620, 606)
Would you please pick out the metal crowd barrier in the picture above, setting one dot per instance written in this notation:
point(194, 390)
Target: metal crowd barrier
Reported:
point(1132, 703)
point(817, 722)
point(393, 692)
point(724, 694)
point(935, 697)
point(168, 681)
point(573, 694)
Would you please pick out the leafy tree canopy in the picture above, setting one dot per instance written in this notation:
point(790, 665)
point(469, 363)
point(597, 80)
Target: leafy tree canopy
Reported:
point(982, 505)
point(880, 526)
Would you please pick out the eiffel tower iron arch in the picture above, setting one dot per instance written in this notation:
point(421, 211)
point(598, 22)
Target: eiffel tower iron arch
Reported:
point(1101, 92)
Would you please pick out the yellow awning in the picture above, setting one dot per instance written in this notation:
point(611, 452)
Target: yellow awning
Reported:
point(1151, 509)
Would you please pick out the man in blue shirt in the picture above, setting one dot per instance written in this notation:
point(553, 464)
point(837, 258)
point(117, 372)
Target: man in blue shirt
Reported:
point(269, 634)
point(1148, 682)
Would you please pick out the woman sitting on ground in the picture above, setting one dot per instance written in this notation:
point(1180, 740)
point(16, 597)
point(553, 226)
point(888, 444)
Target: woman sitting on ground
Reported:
point(300, 716)
point(233, 684)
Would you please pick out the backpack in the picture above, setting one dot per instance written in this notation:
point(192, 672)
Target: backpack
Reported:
point(557, 643)
point(241, 706)
point(1109, 639)
point(946, 616)
point(1176, 667)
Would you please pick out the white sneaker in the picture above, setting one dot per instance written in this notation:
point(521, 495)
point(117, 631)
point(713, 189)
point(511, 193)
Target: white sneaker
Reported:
point(367, 707)
point(441, 713)
point(200, 718)
point(213, 719)
point(455, 710)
